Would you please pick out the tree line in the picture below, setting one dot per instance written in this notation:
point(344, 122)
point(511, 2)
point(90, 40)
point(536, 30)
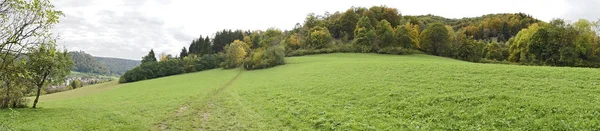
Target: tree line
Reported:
point(227, 49)
point(495, 38)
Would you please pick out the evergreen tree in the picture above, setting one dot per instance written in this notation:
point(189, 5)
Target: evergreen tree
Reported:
point(183, 53)
point(149, 58)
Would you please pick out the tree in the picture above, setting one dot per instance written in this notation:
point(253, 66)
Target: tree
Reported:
point(294, 42)
point(585, 41)
point(435, 39)
point(149, 58)
point(494, 51)
point(364, 35)
point(467, 49)
point(165, 57)
point(183, 53)
point(404, 36)
point(223, 38)
point(189, 63)
point(348, 22)
point(319, 37)
point(385, 35)
point(25, 24)
point(270, 37)
point(46, 65)
point(234, 54)
point(519, 47)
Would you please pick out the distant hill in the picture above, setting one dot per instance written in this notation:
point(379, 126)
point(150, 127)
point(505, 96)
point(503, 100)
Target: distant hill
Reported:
point(87, 63)
point(118, 66)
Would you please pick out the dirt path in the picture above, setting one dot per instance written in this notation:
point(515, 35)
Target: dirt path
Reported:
point(205, 112)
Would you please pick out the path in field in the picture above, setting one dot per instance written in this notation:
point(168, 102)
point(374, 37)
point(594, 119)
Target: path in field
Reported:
point(205, 110)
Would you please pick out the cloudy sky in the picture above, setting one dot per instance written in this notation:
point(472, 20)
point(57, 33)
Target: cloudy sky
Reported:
point(130, 28)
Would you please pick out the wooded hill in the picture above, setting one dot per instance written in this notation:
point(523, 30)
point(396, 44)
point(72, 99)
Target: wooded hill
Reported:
point(87, 63)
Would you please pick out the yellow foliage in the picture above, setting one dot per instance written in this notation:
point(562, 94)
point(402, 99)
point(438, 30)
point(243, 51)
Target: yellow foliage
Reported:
point(413, 31)
point(163, 57)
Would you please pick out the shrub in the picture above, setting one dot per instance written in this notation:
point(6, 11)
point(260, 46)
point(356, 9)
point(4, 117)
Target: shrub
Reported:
point(395, 51)
point(76, 84)
point(319, 37)
point(234, 54)
point(264, 58)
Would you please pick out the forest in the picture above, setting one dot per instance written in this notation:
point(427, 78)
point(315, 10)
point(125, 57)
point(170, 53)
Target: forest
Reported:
point(87, 63)
point(506, 38)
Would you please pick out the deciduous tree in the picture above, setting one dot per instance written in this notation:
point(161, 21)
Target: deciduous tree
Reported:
point(47, 65)
point(435, 39)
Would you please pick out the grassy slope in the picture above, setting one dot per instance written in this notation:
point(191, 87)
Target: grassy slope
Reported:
point(340, 91)
point(135, 106)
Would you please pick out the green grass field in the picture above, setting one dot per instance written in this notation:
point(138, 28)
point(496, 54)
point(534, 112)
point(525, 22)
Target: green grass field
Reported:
point(335, 92)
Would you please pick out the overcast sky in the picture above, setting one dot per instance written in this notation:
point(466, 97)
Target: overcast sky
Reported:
point(130, 28)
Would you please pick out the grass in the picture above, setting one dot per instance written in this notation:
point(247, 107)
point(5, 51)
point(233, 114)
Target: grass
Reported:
point(337, 92)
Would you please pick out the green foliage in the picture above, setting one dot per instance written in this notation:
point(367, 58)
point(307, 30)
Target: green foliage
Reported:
point(348, 22)
point(385, 35)
point(116, 65)
point(223, 38)
point(519, 47)
point(435, 40)
point(364, 40)
point(319, 37)
point(183, 53)
point(88, 64)
point(153, 70)
point(200, 46)
point(293, 42)
point(151, 57)
point(235, 54)
point(271, 37)
point(495, 51)
point(264, 58)
point(272, 52)
point(364, 35)
point(46, 66)
point(75, 84)
point(468, 49)
point(556, 43)
point(379, 13)
point(487, 27)
point(404, 38)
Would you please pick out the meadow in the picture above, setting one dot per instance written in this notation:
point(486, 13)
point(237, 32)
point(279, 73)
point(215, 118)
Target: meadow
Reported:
point(341, 91)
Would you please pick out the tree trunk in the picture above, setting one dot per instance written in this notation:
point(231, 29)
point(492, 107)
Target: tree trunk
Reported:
point(37, 96)
point(39, 88)
point(7, 99)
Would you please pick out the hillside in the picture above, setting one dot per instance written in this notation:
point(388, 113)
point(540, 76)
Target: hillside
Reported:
point(116, 65)
point(87, 63)
point(335, 92)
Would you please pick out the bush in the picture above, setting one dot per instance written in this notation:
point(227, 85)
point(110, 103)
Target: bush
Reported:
point(234, 54)
point(76, 84)
point(319, 37)
point(396, 51)
point(209, 61)
point(264, 58)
